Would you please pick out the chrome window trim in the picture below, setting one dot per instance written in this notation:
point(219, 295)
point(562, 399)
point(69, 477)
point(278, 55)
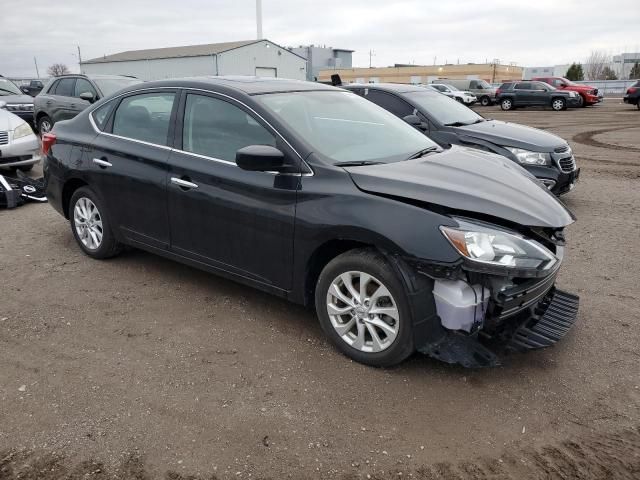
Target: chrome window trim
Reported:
point(310, 172)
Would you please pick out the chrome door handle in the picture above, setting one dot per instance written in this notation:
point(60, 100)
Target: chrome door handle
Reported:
point(102, 163)
point(183, 183)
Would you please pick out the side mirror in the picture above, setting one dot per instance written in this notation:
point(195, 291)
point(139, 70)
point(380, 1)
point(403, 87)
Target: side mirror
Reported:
point(260, 158)
point(414, 121)
point(88, 96)
point(24, 89)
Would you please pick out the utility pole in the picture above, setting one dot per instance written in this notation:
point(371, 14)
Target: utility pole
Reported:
point(79, 59)
point(259, 18)
point(371, 54)
point(37, 71)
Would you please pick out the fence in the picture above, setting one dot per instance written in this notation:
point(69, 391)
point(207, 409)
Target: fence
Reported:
point(610, 88)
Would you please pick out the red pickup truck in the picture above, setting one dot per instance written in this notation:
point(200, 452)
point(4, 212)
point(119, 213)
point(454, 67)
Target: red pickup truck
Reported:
point(589, 95)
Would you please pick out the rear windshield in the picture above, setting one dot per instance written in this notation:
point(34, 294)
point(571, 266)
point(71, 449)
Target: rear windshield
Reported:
point(109, 86)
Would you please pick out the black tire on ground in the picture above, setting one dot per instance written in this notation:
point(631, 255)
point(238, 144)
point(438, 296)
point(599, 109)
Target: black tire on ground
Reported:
point(485, 101)
point(371, 262)
point(109, 246)
point(506, 104)
point(44, 124)
point(26, 168)
point(582, 102)
point(558, 104)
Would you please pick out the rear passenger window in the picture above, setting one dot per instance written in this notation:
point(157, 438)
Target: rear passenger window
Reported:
point(101, 115)
point(218, 129)
point(65, 87)
point(144, 117)
point(523, 86)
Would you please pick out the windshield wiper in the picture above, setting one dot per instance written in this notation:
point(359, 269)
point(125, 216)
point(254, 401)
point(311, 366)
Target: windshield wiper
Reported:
point(423, 152)
point(356, 163)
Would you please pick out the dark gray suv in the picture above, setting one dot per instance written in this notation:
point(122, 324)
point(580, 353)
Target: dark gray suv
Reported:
point(66, 96)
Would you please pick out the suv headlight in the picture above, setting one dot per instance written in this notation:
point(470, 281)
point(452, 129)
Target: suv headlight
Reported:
point(572, 94)
point(527, 157)
point(491, 249)
point(22, 130)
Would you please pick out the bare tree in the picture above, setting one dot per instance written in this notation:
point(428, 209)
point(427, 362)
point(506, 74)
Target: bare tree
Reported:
point(595, 65)
point(57, 69)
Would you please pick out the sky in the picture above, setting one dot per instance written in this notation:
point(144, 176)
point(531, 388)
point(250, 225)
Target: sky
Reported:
point(535, 33)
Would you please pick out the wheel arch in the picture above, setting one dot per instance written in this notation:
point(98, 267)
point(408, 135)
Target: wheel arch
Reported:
point(70, 186)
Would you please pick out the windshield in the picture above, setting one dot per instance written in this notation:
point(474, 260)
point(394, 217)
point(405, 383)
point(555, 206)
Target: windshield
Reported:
point(344, 127)
point(444, 109)
point(112, 85)
point(451, 87)
point(8, 88)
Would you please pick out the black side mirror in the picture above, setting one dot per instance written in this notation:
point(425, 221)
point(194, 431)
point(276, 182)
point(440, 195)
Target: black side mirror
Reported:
point(88, 96)
point(260, 158)
point(24, 89)
point(414, 121)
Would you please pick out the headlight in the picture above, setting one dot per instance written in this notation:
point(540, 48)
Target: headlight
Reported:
point(22, 130)
point(572, 94)
point(499, 250)
point(527, 157)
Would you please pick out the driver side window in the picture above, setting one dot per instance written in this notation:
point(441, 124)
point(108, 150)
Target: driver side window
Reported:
point(218, 129)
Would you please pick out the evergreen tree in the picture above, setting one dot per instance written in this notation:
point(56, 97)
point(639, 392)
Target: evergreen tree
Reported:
point(609, 74)
point(575, 72)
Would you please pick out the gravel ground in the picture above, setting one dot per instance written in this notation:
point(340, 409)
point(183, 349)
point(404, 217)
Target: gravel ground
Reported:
point(141, 368)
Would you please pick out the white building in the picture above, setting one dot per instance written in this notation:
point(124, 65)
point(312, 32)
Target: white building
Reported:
point(323, 58)
point(552, 71)
point(623, 63)
point(252, 57)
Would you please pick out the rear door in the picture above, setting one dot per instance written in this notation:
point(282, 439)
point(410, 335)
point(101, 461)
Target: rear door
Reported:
point(523, 94)
point(130, 161)
point(220, 215)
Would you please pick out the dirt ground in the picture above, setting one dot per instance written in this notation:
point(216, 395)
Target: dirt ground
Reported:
point(141, 368)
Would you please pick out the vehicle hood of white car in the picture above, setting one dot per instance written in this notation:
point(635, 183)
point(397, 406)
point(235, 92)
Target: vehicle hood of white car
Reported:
point(9, 121)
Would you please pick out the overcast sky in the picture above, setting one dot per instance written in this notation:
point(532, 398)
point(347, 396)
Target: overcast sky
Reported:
point(534, 33)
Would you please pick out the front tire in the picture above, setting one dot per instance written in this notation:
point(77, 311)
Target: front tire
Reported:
point(91, 226)
point(485, 101)
point(44, 125)
point(559, 104)
point(362, 307)
point(506, 104)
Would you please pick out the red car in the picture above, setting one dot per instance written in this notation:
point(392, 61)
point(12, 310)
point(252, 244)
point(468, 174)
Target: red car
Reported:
point(588, 94)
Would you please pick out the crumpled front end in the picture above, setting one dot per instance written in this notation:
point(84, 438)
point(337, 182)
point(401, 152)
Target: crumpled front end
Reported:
point(483, 315)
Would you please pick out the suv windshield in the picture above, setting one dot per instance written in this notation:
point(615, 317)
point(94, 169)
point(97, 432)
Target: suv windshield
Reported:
point(443, 109)
point(343, 127)
point(111, 85)
point(7, 87)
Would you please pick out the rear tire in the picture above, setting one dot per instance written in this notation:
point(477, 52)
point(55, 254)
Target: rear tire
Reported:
point(372, 325)
point(91, 226)
point(506, 104)
point(485, 101)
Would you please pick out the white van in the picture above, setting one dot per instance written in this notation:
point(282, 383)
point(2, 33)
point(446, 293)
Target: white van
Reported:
point(485, 93)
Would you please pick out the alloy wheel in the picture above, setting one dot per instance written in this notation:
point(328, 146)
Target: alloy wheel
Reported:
point(363, 312)
point(506, 104)
point(45, 126)
point(88, 223)
point(557, 105)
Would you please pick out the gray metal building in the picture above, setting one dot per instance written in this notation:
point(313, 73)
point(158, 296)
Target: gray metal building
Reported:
point(251, 57)
point(323, 58)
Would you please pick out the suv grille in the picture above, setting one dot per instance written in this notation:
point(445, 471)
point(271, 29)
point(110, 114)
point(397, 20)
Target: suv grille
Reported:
point(567, 165)
point(4, 138)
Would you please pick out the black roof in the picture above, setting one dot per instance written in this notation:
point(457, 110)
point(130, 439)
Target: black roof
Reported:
point(389, 87)
point(245, 84)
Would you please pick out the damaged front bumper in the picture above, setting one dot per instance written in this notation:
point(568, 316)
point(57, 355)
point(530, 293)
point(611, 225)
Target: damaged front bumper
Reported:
point(530, 315)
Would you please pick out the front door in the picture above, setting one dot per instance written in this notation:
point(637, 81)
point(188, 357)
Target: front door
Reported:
point(220, 215)
point(130, 163)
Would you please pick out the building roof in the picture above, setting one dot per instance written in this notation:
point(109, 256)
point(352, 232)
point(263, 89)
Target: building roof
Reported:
point(176, 52)
point(389, 87)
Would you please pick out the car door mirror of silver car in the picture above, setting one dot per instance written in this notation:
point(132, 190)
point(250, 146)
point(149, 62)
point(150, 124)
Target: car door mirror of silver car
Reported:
point(88, 96)
point(260, 158)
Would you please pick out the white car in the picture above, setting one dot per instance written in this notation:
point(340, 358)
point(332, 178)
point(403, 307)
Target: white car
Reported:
point(467, 98)
point(19, 146)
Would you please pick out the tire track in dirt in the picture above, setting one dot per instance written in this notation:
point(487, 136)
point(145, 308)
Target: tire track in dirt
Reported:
point(586, 138)
point(614, 456)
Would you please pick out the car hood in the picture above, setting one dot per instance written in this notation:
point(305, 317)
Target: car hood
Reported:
point(16, 99)
point(469, 180)
point(513, 135)
point(9, 121)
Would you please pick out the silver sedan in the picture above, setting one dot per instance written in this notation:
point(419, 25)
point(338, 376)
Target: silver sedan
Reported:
point(19, 146)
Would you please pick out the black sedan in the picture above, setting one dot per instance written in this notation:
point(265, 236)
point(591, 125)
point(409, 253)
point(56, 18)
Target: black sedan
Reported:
point(512, 95)
point(447, 122)
point(316, 195)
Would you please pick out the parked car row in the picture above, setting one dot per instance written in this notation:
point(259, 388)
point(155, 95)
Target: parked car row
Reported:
point(318, 195)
